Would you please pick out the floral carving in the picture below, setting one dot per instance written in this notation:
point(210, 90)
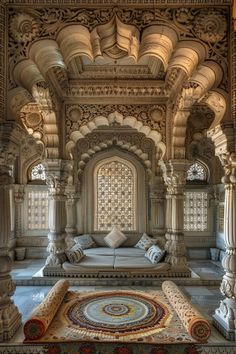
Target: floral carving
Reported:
point(24, 27)
point(210, 26)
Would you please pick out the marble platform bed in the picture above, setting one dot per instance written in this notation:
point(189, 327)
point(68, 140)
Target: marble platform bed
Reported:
point(128, 260)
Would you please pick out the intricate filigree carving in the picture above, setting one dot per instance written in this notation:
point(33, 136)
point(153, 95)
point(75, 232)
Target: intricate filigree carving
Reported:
point(152, 116)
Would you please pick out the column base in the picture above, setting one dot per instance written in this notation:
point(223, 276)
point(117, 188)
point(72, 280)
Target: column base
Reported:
point(223, 328)
point(10, 321)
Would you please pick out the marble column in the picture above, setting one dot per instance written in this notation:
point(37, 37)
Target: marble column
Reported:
point(10, 318)
point(225, 315)
point(71, 231)
point(157, 198)
point(56, 181)
point(19, 195)
point(175, 180)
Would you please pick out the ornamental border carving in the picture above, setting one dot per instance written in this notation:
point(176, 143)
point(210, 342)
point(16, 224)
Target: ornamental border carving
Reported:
point(153, 116)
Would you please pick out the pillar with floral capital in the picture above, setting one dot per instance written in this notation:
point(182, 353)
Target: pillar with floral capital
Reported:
point(225, 315)
point(57, 175)
point(10, 318)
point(175, 180)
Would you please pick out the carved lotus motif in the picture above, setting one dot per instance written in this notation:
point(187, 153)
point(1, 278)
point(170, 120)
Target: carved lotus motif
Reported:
point(210, 27)
point(23, 27)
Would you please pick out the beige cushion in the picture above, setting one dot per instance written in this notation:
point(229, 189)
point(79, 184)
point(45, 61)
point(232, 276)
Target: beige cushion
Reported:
point(145, 242)
point(154, 254)
point(100, 251)
point(129, 252)
point(115, 238)
point(75, 256)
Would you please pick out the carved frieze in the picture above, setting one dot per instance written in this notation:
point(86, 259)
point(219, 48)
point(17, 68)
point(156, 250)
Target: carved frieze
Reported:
point(152, 116)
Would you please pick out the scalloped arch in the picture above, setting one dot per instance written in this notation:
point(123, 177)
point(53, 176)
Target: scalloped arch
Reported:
point(85, 157)
point(116, 117)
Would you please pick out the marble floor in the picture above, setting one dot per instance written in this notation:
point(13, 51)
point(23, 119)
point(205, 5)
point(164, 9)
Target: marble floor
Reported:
point(205, 298)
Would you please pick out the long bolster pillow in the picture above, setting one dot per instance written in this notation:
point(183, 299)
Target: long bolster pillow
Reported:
point(197, 326)
point(40, 319)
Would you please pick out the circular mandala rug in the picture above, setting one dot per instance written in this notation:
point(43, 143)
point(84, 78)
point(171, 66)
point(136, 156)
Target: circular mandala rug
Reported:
point(117, 315)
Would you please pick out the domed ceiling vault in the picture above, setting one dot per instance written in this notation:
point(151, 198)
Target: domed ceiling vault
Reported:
point(70, 68)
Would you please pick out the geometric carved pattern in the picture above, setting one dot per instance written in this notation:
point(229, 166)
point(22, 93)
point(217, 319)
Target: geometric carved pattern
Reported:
point(195, 211)
point(196, 172)
point(115, 196)
point(37, 210)
point(38, 172)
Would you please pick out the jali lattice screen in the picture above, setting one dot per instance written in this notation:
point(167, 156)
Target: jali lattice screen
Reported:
point(115, 205)
point(37, 210)
point(195, 211)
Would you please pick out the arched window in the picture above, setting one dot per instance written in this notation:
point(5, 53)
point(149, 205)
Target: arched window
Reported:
point(197, 172)
point(115, 194)
point(38, 172)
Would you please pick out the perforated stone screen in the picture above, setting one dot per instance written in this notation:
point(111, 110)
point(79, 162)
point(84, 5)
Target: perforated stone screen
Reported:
point(37, 210)
point(195, 211)
point(115, 196)
point(38, 172)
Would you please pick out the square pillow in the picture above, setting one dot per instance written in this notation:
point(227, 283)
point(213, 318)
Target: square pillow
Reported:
point(115, 238)
point(84, 241)
point(154, 254)
point(74, 256)
point(145, 242)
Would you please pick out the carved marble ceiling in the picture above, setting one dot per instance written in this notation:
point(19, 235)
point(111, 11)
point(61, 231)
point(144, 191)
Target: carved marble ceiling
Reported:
point(62, 59)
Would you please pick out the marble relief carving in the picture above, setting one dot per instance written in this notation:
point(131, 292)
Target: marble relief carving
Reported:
point(152, 116)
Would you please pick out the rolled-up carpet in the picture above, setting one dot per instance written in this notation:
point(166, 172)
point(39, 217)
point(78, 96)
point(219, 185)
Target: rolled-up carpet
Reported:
point(40, 319)
point(197, 326)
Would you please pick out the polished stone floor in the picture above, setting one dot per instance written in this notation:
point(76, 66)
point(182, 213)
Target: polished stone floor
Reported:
point(205, 297)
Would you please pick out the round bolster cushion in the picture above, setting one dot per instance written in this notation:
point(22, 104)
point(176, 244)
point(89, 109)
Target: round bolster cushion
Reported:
point(196, 325)
point(40, 319)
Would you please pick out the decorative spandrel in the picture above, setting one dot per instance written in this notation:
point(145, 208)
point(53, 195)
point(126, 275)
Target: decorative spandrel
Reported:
point(195, 211)
point(115, 197)
point(38, 172)
point(196, 172)
point(37, 210)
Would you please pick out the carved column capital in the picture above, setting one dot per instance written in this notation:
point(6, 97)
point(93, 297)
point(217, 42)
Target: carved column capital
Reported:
point(175, 174)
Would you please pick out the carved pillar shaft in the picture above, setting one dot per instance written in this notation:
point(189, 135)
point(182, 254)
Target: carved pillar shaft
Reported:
point(225, 315)
point(56, 180)
point(71, 230)
point(10, 318)
point(18, 199)
point(175, 178)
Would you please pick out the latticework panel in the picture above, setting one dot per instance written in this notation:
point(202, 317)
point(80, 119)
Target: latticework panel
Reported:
point(115, 197)
point(38, 210)
point(38, 172)
point(195, 211)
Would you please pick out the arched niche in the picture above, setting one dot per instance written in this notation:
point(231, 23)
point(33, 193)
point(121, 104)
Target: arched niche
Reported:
point(87, 203)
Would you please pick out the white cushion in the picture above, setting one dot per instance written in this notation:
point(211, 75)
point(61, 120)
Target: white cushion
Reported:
point(115, 238)
point(100, 251)
point(145, 242)
point(154, 254)
point(85, 241)
point(129, 252)
point(75, 256)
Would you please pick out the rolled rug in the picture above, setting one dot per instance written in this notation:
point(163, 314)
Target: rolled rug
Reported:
point(197, 326)
point(41, 317)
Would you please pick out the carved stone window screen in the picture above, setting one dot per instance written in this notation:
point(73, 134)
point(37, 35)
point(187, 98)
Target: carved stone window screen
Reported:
point(115, 181)
point(196, 211)
point(221, 218)
point(37, 210)
point(197, 172)
point(38, 172)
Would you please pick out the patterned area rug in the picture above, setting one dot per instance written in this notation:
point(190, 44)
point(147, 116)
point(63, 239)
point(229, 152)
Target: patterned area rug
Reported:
point(117, 316)
point(134, 317)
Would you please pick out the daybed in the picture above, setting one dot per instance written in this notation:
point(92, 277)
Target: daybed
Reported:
point(103, 261)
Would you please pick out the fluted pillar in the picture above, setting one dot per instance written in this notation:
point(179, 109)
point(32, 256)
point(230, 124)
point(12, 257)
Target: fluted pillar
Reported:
point(225, 315)
point(56, 181)
point(71, 231)
point(175, 179)
point(10, 318)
